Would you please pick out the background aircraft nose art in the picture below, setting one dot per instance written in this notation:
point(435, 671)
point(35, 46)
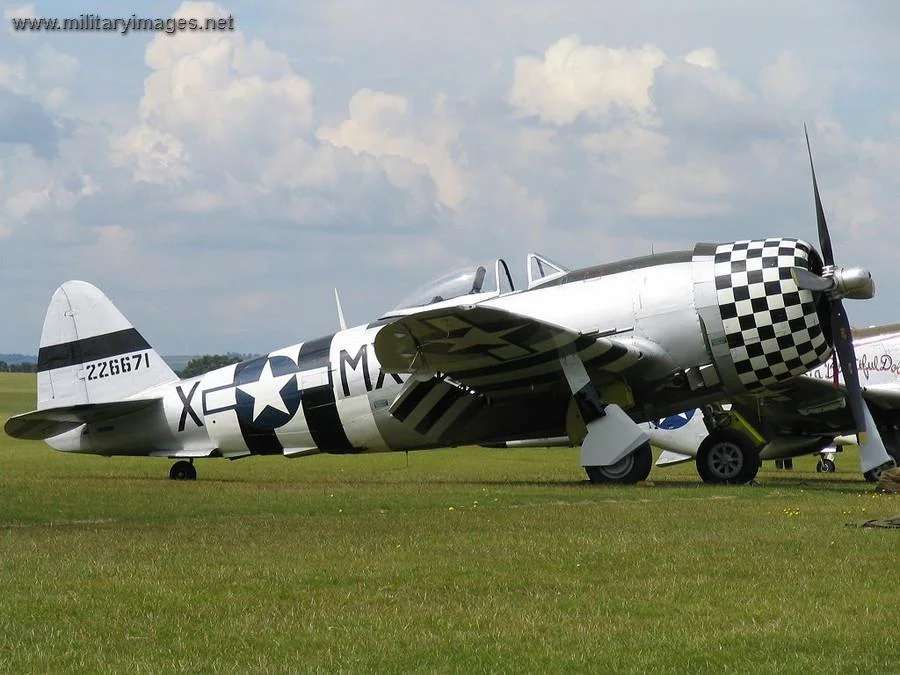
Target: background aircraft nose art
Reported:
point(675, 421)
point(771, 325)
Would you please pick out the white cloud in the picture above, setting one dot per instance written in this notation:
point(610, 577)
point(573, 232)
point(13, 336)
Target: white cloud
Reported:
point(32, 67)
point(12, 75)
point(574, 79)
point(227, 123)
point(628, 144)
point(214, 101)
point(652, 184)
point(703, 58)
point(23, 204)
point(255, 170)
point(53, 64)
point(23, 12)
point(155, 156)
point(382, 125)
point(855, 205)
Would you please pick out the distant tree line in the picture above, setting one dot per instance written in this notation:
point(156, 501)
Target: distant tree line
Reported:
point(17, 367)
point(203, 364)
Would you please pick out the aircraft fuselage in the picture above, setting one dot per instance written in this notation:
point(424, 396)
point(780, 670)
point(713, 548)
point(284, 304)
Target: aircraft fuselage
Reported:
point(331, 395)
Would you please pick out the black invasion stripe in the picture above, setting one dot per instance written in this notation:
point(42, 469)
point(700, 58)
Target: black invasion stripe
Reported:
point(438, 410)
point(520, 364)
point(612, 355)
point(315, 353)
point(504, 385)
point(90, 349)
point(323, 420)
point(462, 421)
point(581, 343)
point(499, 385)
point(259, 441)
point(414, 397)
point(704, 249)
point(527, 335)
point(319, 406)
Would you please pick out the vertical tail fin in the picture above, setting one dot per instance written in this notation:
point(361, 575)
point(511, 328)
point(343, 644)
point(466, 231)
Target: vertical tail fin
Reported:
point(90, 353)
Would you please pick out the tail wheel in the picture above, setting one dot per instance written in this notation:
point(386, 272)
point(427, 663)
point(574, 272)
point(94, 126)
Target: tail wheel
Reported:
point(727, 456)
point(632, 468)
point(825, 465)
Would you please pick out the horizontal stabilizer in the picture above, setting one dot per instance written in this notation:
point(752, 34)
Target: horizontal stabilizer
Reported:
point(39, 425)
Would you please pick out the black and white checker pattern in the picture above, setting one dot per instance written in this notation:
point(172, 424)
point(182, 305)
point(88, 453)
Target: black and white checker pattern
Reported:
point(771, 325)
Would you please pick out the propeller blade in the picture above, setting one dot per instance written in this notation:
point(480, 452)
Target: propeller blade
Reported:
point(824, 237)
point(843, 344)
point(810, 281)
point(872, 453)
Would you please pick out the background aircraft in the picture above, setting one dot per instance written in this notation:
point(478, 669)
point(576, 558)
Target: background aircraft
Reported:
point(468, 359)
point(812, 416)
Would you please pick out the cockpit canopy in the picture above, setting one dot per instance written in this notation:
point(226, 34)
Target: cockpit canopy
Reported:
point(477, 282)
point(480, 280)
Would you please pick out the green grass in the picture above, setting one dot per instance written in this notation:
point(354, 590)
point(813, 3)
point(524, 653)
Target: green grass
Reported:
point(467, 560)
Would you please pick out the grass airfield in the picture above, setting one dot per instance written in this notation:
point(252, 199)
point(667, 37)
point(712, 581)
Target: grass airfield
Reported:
point(465, 560)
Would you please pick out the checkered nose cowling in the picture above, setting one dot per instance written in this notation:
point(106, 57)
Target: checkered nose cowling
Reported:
point(774, 329)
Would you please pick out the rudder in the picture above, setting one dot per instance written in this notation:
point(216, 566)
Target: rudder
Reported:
point(90, 353)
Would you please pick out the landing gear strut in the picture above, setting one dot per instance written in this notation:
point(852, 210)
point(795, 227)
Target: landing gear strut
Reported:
point(183, 471)
point(613, 448)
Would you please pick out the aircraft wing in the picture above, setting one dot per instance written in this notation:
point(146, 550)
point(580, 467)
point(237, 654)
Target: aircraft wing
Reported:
point(806, 392)
point(489, 350)
point(883, 396)
point(38, 425)
point(814, 406)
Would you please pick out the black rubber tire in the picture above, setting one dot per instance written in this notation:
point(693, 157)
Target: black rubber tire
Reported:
point(183, 471)
point(825, 466)
point(631, 469)
point(727, 457)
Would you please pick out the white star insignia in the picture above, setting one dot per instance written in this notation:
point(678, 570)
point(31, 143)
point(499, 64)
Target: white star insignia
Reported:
point(266, 392)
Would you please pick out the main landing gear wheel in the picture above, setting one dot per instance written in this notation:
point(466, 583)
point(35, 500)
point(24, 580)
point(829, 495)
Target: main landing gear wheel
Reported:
point(632, 468)
point(825, 466)
point(727, 456)
point(183, 471)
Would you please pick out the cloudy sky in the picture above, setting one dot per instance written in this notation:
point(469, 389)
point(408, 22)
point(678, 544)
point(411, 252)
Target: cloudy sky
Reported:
point(218, 186)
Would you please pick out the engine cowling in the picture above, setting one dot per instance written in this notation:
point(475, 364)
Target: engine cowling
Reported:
point(761, 328)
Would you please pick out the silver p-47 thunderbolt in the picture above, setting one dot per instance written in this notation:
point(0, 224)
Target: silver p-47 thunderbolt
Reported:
point(584, 354)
